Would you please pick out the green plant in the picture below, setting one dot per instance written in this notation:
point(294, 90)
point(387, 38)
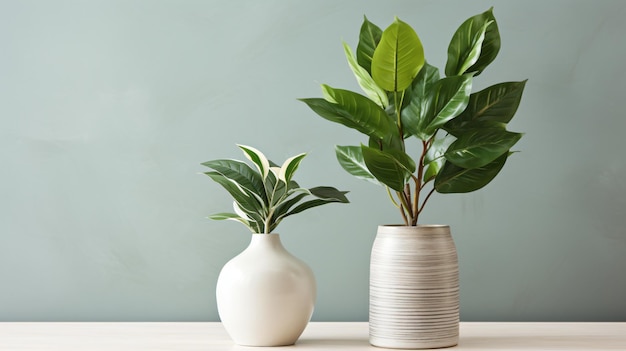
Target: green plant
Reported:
point(463, 136)
point(267, 195)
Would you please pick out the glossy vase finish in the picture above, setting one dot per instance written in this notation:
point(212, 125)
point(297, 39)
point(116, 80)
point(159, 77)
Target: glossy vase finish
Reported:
point(414, 288)
point(265, 295)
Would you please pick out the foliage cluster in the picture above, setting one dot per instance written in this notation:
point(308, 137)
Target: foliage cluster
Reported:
point(264, 196)
point(463, 135)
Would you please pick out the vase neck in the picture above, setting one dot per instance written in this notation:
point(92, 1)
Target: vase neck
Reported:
point(266, 242)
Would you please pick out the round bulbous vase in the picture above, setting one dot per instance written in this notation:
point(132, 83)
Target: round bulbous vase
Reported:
point(414, 288)
point(265, 295)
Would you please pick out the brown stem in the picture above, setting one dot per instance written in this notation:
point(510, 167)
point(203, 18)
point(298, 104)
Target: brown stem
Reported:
point(425, 200)
point(419, 186)
point(415, 199)
point(420, 175)
point(406, 206)
point(407, 197)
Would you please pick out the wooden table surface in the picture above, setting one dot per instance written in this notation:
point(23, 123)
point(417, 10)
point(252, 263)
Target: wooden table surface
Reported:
point(185, 336)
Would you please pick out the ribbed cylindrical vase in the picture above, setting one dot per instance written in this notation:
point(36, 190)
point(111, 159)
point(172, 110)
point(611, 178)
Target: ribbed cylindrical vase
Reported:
point(414, 288)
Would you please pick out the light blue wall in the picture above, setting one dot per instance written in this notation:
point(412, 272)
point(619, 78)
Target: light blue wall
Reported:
point(107, 109)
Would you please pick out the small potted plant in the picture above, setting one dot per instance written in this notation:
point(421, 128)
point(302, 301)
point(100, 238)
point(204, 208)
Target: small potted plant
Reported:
point(265, 295)
point(414, 285)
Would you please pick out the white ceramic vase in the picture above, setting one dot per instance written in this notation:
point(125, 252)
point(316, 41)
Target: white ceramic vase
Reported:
point(414, 288)
point(265, 295)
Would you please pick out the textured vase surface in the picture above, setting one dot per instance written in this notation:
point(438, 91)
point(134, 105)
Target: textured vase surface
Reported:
point(414, 288)
point(265, 295)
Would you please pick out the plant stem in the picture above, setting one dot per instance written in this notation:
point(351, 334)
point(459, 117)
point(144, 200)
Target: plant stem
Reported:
point(407, 205)
point(407, 196)
point(395, 203)
point(419, 182)
point(425, 200)
point(268, 221)
point(420, 176)
point(406, 221)
point(416, 197)
point(406, 209)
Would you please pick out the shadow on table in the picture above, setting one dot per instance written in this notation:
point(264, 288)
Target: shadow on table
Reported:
point(316, 344)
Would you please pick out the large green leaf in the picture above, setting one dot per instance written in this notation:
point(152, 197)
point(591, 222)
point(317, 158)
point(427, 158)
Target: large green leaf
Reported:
point(432, 169)
point(367, 84)
point(354, 111)
point(390, 169)
point(480, 147)
point(393, 142)
point(324, 195)
point(308, 204)
point(491, 44)
point(423, 82)
point(246, 201)
point(454, 179)
point(252, 225)
point(457, 127)
point(276, 189)
point(282, 209)
point(236, 191)
point(369, 37)
point(333, 113)
point(329, 193)
point(289, 167)
point(351, 159)
point(446, 99)
point(474, 45)
point(398, 57)
point(414, 112)
point(241, 173)
point(258, 158)
point(228, 216)
point(224, 215)
point(434, 158)
point(497, 103)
